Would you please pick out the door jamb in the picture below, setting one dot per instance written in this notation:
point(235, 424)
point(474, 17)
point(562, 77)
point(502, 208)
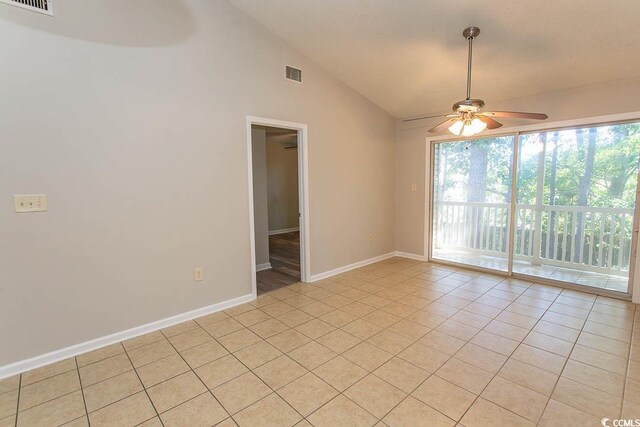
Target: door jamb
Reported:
point(303, 195)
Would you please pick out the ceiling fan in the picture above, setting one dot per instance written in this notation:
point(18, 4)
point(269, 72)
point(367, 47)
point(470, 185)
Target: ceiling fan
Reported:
point(468, 119)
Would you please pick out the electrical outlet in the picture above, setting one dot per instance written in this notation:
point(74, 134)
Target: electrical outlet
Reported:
point(198, 274)
point(371, 237)
point(414, 186)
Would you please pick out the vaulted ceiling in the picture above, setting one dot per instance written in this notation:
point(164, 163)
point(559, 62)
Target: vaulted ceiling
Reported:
point(409, 56)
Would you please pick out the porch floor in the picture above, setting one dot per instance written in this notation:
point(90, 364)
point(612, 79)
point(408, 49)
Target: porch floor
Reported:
point(568, 275)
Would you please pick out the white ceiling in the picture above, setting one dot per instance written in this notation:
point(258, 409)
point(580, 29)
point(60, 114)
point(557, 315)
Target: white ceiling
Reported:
point(409, 56)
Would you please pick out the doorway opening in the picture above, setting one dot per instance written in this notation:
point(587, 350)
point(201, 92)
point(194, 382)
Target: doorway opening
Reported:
point(278, 204)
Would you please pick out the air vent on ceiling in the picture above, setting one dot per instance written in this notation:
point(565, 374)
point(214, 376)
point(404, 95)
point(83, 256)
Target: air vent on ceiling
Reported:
point(294, 74)
point(42, 6)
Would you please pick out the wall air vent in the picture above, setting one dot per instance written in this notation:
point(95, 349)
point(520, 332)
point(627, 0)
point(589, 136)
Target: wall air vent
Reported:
point(294, 74)
point(42, 6)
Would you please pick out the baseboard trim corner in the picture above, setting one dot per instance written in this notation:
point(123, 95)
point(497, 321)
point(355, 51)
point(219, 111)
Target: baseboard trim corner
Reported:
point(77, 349)
point(265, 266)
point(409, 255)
point(344, 269)
point(284, 230)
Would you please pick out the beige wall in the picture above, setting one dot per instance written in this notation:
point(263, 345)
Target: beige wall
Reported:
point(137, 134)
point(282, 177)
point(411, 151)
point(260, 198)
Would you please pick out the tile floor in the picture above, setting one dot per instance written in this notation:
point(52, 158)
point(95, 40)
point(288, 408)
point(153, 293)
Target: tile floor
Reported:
point(397, 343)
point(618, 283)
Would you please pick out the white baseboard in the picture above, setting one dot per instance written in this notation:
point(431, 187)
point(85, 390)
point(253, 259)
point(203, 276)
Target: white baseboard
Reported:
point(284, 230)
point(74, 350)
point(265, 266)
point(410, 256)
point(320, 276)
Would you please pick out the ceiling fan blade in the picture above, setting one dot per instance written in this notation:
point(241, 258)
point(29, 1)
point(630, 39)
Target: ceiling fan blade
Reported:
point(424, 117)
point(442, 126)
point(515, 115)
point(491, 124)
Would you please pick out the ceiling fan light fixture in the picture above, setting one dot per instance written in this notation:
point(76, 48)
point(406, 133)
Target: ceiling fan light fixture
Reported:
point(467, 127)
point(476, 126)
point(456, 127)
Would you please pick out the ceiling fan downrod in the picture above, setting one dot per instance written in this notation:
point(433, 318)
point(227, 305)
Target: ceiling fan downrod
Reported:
point(467, 118)
point(470, 34)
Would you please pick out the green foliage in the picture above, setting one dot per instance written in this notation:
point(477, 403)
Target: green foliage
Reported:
point(612, 175)
point(454, 164)
point(594, 167)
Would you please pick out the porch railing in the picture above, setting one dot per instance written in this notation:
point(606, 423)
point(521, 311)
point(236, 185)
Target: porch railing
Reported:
point(577, 237)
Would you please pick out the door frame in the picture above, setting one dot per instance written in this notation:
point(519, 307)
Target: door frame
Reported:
point(634, 273)
point(303, 195)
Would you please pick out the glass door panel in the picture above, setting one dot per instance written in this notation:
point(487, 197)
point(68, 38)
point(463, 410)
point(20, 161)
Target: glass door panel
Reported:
point(471, 207)
point(575, 202)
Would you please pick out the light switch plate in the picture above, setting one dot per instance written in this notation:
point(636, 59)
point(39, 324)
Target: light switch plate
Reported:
point(30, 203)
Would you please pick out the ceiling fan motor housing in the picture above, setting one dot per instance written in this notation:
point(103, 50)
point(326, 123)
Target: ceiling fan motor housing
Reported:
point(468, 106)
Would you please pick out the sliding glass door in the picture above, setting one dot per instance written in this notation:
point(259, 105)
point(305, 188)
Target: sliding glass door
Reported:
point(576, 195)
point(471, 201)
point(571, 218)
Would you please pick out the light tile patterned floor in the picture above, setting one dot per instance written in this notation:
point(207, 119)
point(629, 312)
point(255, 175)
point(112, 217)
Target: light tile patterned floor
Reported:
point(618, 283)
point(397, 343)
